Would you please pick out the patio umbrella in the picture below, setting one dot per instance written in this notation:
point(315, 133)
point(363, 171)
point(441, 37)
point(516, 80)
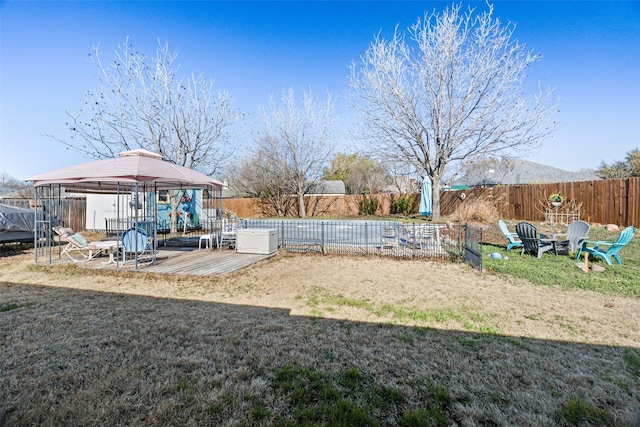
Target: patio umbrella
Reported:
point(425, 197)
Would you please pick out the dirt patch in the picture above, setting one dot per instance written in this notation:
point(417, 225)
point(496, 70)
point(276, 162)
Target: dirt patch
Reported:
point(359, 289)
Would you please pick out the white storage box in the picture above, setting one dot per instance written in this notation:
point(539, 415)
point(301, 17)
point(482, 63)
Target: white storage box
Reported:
point(257, 241)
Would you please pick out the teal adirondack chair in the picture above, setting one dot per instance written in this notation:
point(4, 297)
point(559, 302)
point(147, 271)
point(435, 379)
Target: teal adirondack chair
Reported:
point(612, 247)
point(511, 237)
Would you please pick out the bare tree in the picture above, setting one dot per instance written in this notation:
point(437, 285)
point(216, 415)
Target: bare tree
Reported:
point(260, 178)
point(360, 173)
point(9, 181)
point(21, 189)
point(295, 141)
point(453, 91)
point(141, 102)
point(367, 177)
point(403, 178)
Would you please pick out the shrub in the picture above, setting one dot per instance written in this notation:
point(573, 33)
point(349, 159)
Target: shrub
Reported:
point(368, 206)
point(405, 205)
point(481, 209)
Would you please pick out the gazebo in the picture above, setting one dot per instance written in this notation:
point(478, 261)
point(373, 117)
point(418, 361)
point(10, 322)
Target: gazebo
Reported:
point(136, 177)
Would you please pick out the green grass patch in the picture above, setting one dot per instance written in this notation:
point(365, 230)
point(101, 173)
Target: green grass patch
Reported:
point(320, 301)
point(469, 341)
point(577, 412)
point(259, 410)
point(551, 270)
point(341, 301)
point(352, 398)
point(568, 326)
point(516, 342)
point(632, 358)
point(186, 384)
point(468, 320)
point(436, 403)
point(317, 313)
point(222, 407)
point(9, 307)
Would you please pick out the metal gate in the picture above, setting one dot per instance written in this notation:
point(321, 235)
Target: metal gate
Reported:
point(473, 246)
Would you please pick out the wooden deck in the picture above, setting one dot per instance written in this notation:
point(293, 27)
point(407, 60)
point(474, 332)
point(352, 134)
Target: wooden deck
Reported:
point(202, 263)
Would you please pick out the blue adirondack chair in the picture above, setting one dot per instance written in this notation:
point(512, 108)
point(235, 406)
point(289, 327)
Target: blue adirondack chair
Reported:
point(135, 243)
point(511, 237)
point(612, 248)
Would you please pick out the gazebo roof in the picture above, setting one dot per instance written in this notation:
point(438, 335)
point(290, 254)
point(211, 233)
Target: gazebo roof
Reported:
point(136, 166)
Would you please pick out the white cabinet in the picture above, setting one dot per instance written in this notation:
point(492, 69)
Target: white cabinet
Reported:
point(256, 241)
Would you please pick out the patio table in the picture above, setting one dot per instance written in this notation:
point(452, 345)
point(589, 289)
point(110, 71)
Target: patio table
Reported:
point(108, 245)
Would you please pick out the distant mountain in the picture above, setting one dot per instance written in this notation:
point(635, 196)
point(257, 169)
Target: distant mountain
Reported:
point(518, 171)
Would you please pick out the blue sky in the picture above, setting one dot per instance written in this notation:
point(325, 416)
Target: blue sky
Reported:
point(591, 54)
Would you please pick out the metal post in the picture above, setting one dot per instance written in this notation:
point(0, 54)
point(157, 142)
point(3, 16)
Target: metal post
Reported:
point(366, 237)
point(35, 223)
point(118, 234)
point(135, 229)
point(282, 235)
point(414, 236)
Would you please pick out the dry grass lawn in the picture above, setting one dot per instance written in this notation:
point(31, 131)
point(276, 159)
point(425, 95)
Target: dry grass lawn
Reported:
point(440, 343)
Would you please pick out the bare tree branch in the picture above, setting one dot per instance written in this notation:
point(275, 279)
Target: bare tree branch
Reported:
point(452, 92)
point(295, 142)
point(141, 102)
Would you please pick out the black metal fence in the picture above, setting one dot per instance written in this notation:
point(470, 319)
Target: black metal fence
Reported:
point(346, 237)
point(353, 237)
point(473, 246)
point(113, 226)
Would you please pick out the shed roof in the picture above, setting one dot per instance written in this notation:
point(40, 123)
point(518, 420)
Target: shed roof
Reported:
point(335, 186)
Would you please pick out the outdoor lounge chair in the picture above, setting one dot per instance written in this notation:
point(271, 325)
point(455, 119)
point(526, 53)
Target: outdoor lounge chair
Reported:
point(511, 237)
point(531, 243)
point(78, 248)
point(576, 233)
point(612, 247)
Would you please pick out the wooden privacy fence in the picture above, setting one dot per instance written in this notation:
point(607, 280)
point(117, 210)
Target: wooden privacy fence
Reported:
point(344, 205)
point(615, 201)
